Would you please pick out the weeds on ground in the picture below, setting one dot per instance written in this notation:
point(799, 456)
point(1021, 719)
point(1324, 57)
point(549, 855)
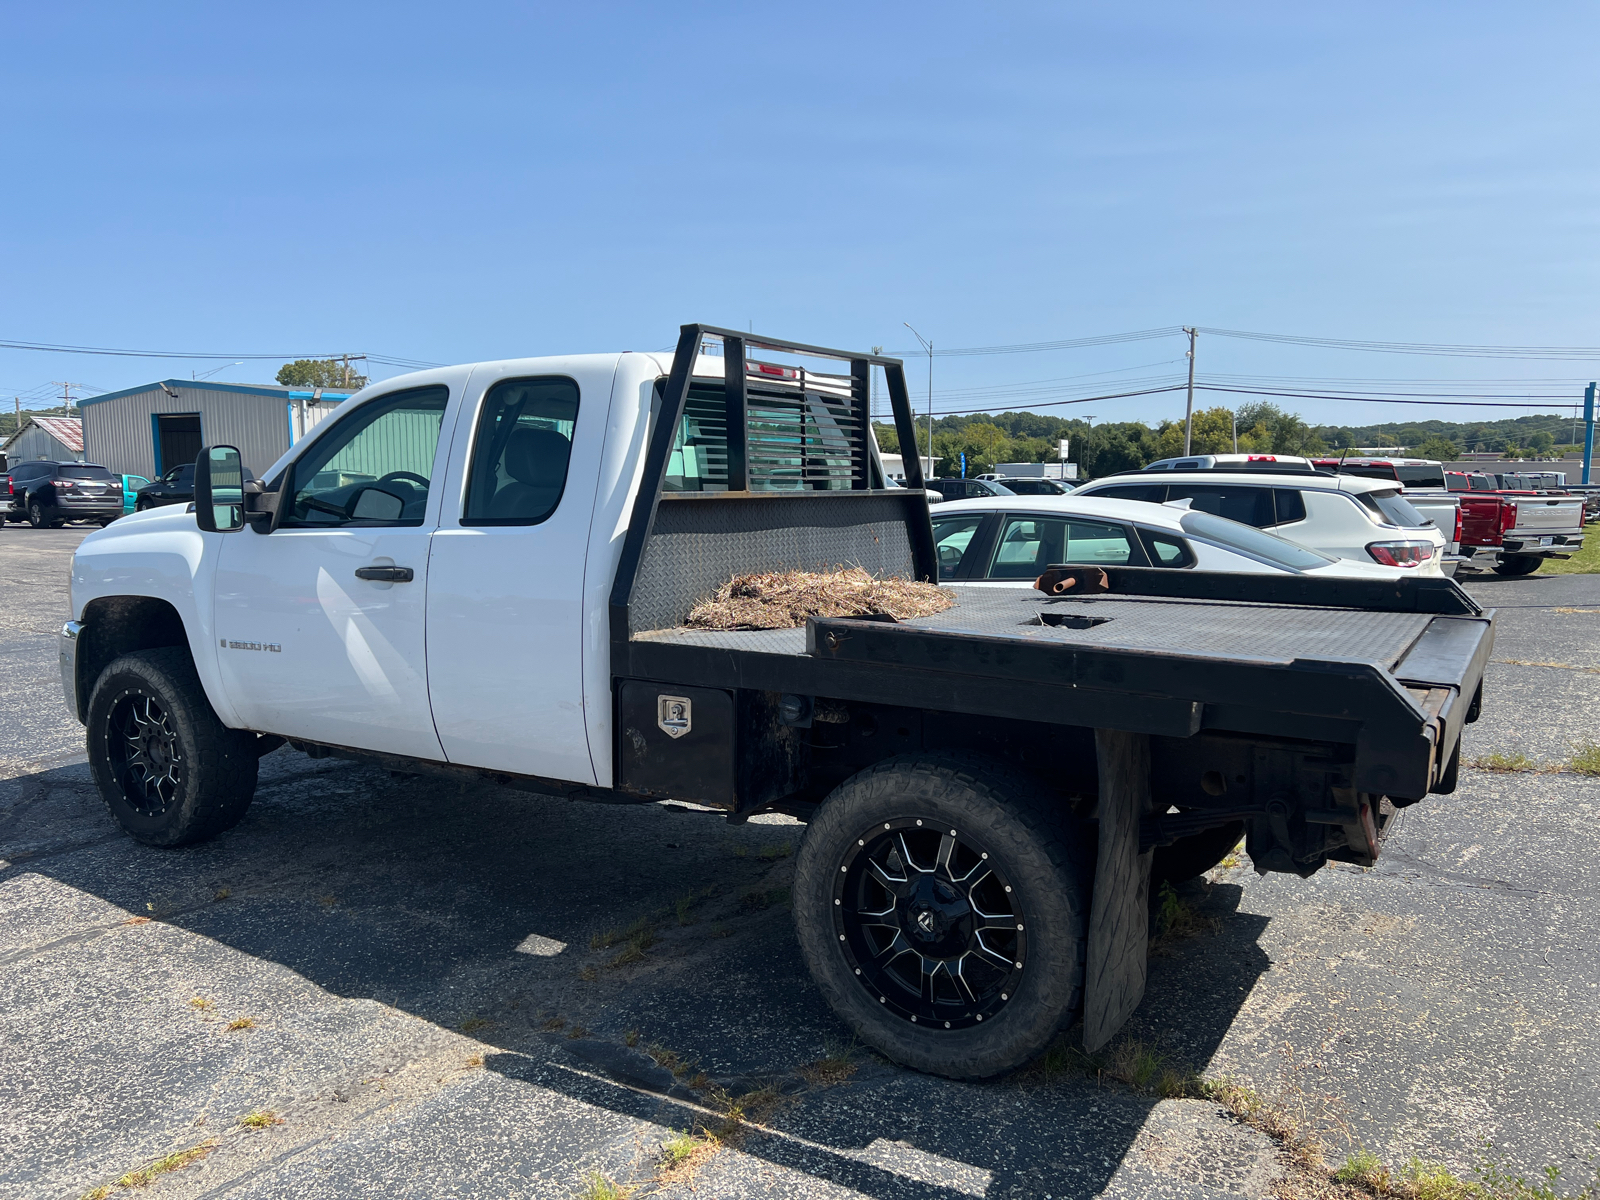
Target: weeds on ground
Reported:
point(222, 893)
point(552, 1024)
point(260, 1119)
point(201, 1003)
point(599, 1187)
point(1503, 763)
point(472, 1024)
point(588, 974)
point(759, 899)
point(1585, 758)
point(671, 1060)
point(1233, 857)
point(241, 1023)
point(635, 940)
point(1177, 921)
point(838, 1063)
point(631, 1038)
point(162, 1166)
point(577, 1031)
point(474, 1062)
point(682, 1153)
point(755, 1107)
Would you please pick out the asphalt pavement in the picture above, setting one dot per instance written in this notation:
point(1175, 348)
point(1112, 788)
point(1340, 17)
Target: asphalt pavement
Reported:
point(413, 978)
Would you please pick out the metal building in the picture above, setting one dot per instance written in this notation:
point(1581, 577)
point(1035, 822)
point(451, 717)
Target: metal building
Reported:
point(149, 430)
point(59, 439)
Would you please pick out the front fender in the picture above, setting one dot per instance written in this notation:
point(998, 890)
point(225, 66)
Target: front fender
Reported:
point(162, 555)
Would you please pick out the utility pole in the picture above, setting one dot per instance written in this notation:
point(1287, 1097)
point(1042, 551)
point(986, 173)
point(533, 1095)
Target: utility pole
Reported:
point(66, 394)
point(1188, 410)
point(346, 380)
point(1235, 419)
point(929, 346)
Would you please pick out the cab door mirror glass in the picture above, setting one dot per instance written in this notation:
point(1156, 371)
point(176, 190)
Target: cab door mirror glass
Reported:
point(219, 489)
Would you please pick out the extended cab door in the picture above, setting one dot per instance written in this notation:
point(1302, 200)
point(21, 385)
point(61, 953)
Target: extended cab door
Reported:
point(321, 622)
point(506, 620)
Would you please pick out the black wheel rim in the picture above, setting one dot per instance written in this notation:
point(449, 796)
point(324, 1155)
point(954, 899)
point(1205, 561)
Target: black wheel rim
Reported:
point(929, 924)
point(146, 757)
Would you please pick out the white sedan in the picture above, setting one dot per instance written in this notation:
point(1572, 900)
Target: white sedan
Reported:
point(1011, 541)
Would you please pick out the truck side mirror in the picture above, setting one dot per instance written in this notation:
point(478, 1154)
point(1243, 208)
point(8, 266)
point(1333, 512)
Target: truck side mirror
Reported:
point(219, 489)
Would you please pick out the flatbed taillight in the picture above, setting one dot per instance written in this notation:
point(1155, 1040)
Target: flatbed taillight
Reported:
point(1457, 537)
point(1401, 554)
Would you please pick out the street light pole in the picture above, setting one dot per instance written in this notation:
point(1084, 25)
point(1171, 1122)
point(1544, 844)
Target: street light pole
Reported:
point(929, 346)
point(1188, 410)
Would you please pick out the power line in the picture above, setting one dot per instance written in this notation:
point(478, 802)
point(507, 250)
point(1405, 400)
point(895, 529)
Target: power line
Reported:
point(1433, 348)
point(1108, 339)
point(54, 348)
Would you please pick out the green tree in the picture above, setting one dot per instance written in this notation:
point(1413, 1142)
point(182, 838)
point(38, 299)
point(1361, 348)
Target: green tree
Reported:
point(1434, 446)
point(320, 372)
point(1541, 443)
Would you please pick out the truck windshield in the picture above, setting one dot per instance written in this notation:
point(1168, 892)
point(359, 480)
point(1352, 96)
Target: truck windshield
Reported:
point(1426, 476)
point(1281, 552)
point(1394, 509)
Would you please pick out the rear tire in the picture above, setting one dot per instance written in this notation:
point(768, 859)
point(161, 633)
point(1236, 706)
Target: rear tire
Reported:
point(170, 772)
point(36, 515)
point(1518, 564)
point(989, 996)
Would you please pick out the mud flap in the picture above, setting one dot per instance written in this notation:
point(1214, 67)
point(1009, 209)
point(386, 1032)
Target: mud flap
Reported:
point(1119, 918)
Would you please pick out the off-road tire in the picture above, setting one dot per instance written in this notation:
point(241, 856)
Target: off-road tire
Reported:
point(1518, 564)
point(1194, 855)
point(214, 767)
point(1030, 837)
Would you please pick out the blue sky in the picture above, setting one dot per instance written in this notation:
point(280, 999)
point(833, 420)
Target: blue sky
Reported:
point(457, 182)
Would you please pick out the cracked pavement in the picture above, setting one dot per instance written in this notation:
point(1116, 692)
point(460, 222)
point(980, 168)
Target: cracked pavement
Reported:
point(428, 1017)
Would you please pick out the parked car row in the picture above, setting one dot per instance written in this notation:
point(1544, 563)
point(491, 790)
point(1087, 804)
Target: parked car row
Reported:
point(48, 494)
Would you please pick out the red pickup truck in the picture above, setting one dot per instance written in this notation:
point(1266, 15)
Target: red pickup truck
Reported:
point(1515, 530)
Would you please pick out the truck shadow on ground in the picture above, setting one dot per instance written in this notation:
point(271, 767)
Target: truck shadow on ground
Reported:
point(575, 937)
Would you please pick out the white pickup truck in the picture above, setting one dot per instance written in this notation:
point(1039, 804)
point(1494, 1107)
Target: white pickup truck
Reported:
point(484, 572)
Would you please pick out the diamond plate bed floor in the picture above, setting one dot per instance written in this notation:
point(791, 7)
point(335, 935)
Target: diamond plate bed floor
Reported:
point(1225, 629)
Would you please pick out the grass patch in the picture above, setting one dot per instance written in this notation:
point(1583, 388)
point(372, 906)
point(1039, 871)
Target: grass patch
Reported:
point(474, 1062)
point(553, 1024)
point(201, 1003)
point(1585, 758)
point(164, 1166)
point(838, 1063)
point(577, 1031)
point(1584, 562)
point(222, 893)
point(1233, 857)
point(773, 851)
point(1502, 764)
point(683, 1153)
point(600, 1187)
point(755, 1107)
point(635, 939)
point(241, 1023)
point(631, 1038)
point(1177, 921)
point(588, 974)
point(260, 1119)
point(760, 899)
point(473, 1024)
point(671, 1060)
point(1251, 1108)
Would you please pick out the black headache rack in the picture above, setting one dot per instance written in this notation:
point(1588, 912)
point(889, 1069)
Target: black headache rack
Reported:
point(795, 485)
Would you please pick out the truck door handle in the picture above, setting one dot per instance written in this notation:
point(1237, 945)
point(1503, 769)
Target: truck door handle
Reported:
point(385, 574)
